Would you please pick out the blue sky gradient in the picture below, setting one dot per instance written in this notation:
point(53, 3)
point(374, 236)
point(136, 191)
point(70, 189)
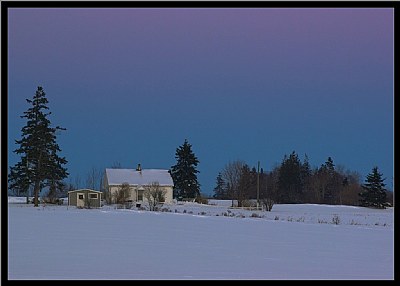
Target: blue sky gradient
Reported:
point(131, 84)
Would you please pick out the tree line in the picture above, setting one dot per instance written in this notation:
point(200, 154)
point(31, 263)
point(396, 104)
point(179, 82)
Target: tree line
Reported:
point(293, 181)
point(296, 182)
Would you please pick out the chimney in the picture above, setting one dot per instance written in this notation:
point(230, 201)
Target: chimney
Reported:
point(139, 168)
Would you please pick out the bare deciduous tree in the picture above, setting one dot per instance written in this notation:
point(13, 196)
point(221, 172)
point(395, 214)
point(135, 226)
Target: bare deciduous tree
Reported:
point(94, 179)
point(78, 182)
point(154, 195)
point(231, 174)
point(269, 183)
point(268, 203)
point(116, 165)
point(122, 194)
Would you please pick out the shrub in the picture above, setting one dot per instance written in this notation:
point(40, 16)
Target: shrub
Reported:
point(257, 215)
point(201, 200)
point(336, 219)
point(247, 204)
point(268, 204)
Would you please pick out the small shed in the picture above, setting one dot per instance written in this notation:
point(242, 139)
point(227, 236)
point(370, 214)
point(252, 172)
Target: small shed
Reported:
point(84, 198)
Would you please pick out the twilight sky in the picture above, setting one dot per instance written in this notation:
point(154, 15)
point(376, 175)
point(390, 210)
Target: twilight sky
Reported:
point(131, 84)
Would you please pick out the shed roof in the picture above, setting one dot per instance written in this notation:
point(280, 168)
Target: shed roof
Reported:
point(143, 177)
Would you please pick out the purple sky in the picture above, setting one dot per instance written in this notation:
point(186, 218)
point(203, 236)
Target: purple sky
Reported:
point(131, 84)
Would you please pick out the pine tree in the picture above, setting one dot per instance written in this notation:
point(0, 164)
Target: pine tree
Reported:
point(247, 182)
point(220, 190)
point(289, 182)
point(20, 178)
point(374, 194)
point(332, 186)
point(305, 175)
point(184, 173)
point(40, 164)
point(329, 165)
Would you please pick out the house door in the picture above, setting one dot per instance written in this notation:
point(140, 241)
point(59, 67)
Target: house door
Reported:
point(80, 202)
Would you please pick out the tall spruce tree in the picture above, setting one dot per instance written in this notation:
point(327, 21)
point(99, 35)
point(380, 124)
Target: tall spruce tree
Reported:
point(40, 164)
point(305, 175)
point(289, 182)
point(184, 173)
point(333, 185)
point(374, 194)
point(220, 191)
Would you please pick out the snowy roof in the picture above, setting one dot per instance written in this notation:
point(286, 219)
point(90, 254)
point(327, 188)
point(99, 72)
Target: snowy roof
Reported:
point(143, 177)
point(81, 190)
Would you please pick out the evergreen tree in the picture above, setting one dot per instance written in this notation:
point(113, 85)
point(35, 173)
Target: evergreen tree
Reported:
point(40, 164)
point(334, 183)
point(330, 190)
point(374, 194)
point(220, 190)
point(252, 189)
point(290, 189)
point(19, 178)
point(305, 176)
point(329, 165)
point(184, 173)
point(246, 184)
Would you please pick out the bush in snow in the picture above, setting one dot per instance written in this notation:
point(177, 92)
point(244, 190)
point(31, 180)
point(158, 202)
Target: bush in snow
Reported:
point(268, 203)
point(201, 200)
point(336, 219)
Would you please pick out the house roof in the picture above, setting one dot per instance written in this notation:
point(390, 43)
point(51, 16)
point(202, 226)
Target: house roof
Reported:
point(82, 190)
point(143, 177)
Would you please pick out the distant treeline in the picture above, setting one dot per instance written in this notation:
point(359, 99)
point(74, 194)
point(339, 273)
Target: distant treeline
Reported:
point(292, 181)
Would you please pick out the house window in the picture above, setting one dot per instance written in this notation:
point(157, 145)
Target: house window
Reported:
point(93, 196)
point(80, 197)
point(140, 195)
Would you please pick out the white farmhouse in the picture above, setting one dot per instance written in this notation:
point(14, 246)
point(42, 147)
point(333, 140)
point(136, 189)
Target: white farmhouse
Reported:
point(137, 179)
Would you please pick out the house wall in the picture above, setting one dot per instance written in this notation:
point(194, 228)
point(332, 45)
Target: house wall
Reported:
point(168, 195)
point(106, 188)
point(114, 189)
point(133, 189)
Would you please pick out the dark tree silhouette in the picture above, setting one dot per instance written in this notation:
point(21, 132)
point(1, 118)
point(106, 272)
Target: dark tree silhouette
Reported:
point(40, 164)
point(374, 192)
point(184, 172)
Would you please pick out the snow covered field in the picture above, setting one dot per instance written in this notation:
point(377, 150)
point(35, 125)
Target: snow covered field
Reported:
point(189, 241)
